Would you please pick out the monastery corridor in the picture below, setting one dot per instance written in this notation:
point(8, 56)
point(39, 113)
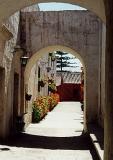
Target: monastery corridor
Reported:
point(57, 137)
point(28, 33)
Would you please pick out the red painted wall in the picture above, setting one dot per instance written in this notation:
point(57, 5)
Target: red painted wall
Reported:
point(70, 92)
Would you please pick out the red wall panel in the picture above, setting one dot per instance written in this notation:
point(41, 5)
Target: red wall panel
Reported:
point(69, 92)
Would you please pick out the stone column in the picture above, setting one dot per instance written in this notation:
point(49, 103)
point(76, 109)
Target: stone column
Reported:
point(108, 119)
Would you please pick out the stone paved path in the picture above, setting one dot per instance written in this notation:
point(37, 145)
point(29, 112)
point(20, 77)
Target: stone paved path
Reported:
point(57, 137)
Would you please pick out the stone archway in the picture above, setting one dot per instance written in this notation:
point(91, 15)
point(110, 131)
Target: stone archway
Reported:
point(88, 100)
point(97, 6)
point(74, 47)
point(44, 51)
point(85, 39)
point(7, 8)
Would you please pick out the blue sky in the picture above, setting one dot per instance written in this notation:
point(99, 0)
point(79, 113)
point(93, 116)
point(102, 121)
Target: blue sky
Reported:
point(53, 6)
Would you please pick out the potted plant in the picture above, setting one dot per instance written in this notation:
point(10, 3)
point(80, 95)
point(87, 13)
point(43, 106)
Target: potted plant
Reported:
point(50, 81)
point(48, 69)
point(41, 83)
point(50, 54)
point(53, 58)
point(28, 96)
point(52, 86)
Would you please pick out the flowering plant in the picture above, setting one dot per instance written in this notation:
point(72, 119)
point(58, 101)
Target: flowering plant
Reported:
point(51, 85)
point(42, 105)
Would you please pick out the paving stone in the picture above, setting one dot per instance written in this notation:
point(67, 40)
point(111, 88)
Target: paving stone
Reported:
point(57, 137)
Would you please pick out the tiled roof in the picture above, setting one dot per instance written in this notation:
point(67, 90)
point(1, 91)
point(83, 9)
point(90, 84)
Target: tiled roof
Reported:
point(69, 77)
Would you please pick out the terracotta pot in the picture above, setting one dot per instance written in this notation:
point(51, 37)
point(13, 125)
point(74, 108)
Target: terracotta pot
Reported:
point(48, 69)
point(28, 97)
point(41, 83)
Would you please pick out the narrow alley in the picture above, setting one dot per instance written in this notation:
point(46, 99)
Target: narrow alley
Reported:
point(57, 137)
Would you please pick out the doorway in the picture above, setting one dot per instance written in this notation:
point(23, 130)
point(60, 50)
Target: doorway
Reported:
point(2, 101)
point(15, 98)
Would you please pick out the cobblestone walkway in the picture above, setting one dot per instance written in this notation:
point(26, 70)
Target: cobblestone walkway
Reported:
point(57, 137)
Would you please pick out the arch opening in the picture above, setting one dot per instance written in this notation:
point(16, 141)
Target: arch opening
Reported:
point(80, 88)
point(27, 77)
point(46, 50)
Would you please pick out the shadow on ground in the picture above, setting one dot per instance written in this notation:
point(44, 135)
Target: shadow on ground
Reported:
point(62, 143)
point(99, 133)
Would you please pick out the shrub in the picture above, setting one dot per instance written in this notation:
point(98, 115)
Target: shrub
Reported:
point(42, 105)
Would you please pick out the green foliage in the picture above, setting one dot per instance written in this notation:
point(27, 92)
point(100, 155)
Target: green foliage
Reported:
point(63, 60)
point(36, 114)
point(42, 105)
point(52, 86)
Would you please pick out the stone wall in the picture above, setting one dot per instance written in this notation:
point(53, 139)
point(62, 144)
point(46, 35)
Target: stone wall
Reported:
point(31, 8)
point(12, 25)
point(102, 89)
point(78, 30)
point(10, 68)
point(32, 90)
point(34, 79)
point(53, 28)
